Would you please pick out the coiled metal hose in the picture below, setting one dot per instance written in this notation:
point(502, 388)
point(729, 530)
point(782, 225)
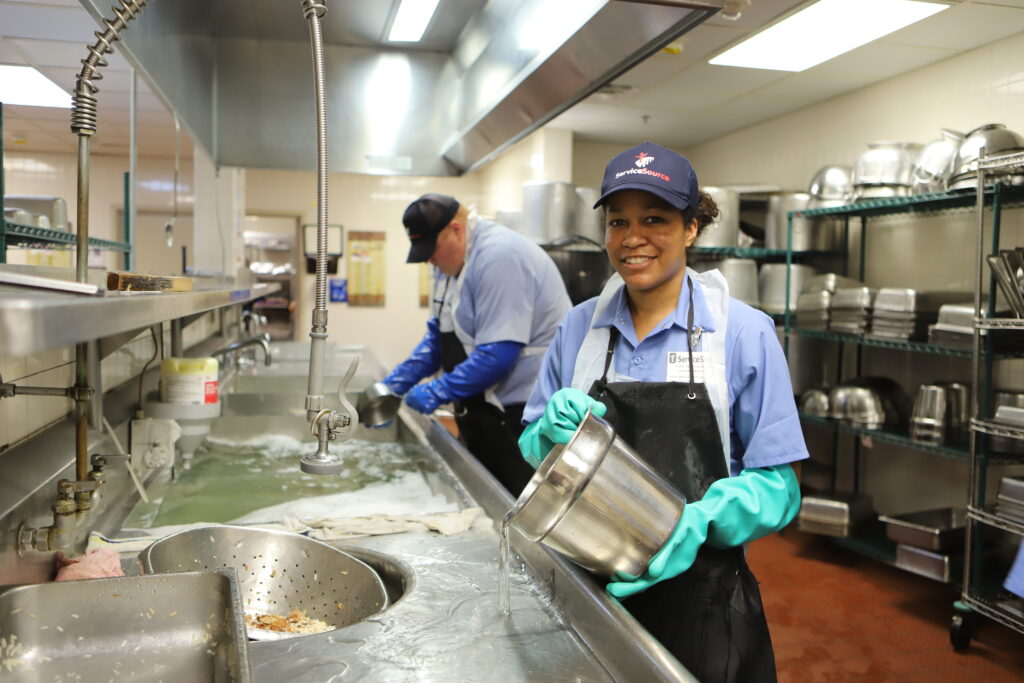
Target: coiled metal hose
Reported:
point(83, 112)
point(314, 10)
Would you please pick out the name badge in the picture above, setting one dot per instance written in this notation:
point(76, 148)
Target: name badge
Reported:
point(677, 368)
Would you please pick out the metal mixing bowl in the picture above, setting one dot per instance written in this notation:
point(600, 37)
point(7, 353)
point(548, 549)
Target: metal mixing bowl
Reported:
point(595, 501)
point(832, 182)
point(277, 572)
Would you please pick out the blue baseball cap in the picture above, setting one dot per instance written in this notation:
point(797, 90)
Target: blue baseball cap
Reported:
point(655, 169)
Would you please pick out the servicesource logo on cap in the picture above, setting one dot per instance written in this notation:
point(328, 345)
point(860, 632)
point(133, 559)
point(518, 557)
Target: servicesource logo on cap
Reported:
point(643, 160)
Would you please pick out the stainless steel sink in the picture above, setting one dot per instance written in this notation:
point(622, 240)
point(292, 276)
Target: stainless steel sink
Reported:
point(172, 627)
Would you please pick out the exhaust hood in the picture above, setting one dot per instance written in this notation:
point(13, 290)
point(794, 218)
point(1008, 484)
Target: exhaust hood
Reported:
point(487, 73)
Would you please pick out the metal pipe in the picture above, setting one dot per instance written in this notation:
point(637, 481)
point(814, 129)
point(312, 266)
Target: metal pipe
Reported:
point(314, 10)
point(326, 425)
point(177, 340)
point(83, 124)
point(133, 168)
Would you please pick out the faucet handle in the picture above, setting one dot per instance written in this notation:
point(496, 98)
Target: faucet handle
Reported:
point(347, 409)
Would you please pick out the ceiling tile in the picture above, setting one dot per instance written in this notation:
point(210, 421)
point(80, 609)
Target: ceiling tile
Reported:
point(68, 54)
point(47, 22)
point(8, 52)
point(961, 27)
point(853, 70)
point(703, 85)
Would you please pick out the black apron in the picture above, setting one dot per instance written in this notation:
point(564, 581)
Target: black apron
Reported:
point(710, 616)
point(490, 433)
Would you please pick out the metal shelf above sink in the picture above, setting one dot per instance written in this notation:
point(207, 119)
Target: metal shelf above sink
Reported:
point(34, 320)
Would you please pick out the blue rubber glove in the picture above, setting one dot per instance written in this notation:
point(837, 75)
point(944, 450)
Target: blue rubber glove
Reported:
point(562, 415)
point(487, 365)
point(424, 361)
point(733, 511)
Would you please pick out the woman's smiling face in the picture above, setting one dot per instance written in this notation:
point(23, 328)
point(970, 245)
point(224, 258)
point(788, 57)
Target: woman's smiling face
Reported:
point(646, 240)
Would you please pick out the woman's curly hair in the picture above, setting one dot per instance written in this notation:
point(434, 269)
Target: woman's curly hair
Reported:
point(705, 213)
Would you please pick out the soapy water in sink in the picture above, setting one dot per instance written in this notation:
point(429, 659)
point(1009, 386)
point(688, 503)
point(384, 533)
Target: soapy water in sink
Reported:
point(231, 479)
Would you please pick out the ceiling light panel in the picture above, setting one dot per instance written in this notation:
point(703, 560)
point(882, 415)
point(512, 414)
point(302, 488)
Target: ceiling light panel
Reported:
point(411, 20)
point(824, 30)
point(26, 85)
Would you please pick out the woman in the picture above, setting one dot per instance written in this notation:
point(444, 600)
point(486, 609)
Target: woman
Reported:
point(698, 384)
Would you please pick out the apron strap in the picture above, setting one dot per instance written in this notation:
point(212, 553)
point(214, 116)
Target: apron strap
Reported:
point(613, 338)
point(689, 345)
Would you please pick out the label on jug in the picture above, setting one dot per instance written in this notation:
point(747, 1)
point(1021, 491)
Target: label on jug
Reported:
point(191, 389)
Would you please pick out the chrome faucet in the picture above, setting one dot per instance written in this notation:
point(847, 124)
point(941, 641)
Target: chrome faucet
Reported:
point(252, 322)
point(262, 340)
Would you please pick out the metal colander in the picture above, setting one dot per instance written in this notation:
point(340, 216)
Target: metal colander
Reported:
point(277, 571)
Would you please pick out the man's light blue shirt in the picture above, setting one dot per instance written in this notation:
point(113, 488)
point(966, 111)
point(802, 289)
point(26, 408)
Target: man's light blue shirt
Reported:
point(764, 425)
point(511, 292)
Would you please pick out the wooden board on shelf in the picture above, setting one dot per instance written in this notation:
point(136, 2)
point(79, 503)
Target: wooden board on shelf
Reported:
point(147, 283)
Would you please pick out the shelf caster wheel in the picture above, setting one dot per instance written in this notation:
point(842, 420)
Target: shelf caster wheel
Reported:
point(961, 631)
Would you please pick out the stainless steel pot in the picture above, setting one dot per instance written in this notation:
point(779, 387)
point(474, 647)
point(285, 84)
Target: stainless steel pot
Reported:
point(740, 273)
point(549, 210)
point(589, 221)
point(772, 285)
point(725, 231)
point(583, 264)
point(887, 163)
point(809, 234)
point(595, 501)
point(378, 405)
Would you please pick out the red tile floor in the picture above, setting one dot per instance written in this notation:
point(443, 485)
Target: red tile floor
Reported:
point(837, 616)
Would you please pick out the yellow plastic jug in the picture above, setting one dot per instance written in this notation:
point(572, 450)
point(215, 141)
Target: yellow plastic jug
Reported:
point(190, 381)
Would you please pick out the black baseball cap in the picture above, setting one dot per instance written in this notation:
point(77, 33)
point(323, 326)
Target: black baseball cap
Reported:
point(655, 169)
point(424, 220)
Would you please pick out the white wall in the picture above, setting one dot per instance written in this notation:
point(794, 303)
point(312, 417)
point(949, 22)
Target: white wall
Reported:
point(544, 156)
point(361, 203)
point(982, 86)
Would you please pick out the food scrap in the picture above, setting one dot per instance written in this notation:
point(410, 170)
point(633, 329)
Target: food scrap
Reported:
point(295, 622)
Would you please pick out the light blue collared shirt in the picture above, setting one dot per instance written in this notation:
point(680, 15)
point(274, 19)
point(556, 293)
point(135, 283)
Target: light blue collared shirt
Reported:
point(511, 292)
point(764, 426)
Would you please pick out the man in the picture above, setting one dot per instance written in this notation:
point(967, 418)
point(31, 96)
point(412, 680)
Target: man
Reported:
point(498, 299)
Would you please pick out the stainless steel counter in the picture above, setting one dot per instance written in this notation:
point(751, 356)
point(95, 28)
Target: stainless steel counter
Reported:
point(34, 320)
point(447, 627)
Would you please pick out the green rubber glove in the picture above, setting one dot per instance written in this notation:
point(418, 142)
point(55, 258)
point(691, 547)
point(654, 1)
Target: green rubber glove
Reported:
point(733, 511)
point(562, 415)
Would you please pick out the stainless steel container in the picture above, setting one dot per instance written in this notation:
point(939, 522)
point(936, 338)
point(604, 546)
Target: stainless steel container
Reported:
point(938, 566)
point(741, 274)
point(936, 530)
point(378, 405)
point(549, 210)
point(806, 360)
point(595, 501)
point(833, 514)
point(887, 163)
point(809, 234)
point(186, 626)
point(589, 221)
point(771, 285)
point(583, 265)
point(725, 231)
